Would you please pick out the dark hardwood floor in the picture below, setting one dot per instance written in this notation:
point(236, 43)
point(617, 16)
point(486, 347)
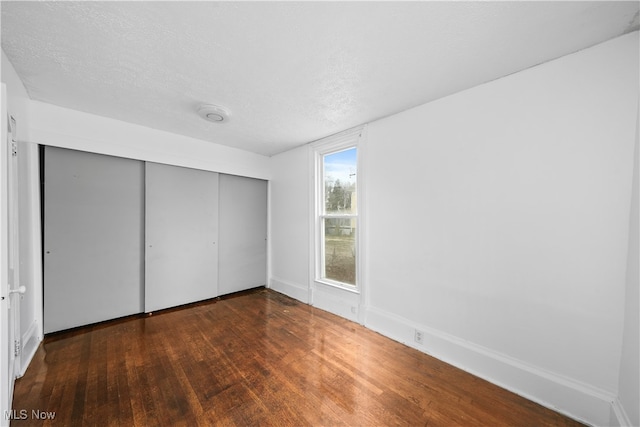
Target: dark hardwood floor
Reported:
point(258, 358)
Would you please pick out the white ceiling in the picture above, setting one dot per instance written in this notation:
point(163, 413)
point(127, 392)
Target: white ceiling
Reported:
point(289, 72)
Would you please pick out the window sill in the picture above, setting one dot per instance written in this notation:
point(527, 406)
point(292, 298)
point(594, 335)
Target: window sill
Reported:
point(348, 288)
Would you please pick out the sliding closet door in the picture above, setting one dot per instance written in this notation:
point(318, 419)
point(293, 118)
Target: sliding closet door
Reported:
point(243, 233)
point(181, 236)
point(93, 238)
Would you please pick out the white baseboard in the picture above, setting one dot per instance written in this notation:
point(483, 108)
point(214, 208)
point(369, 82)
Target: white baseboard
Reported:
point(575, 399)
point(30, 342)
point(572, 398)
point(290, 289)
point(621, 416)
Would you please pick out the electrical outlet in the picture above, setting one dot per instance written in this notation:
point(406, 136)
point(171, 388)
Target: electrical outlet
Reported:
point(419, 337)
point(353, 310)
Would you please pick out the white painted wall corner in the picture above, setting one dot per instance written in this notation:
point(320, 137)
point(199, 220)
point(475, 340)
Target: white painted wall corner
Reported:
point(621, 417)
point(301, 293)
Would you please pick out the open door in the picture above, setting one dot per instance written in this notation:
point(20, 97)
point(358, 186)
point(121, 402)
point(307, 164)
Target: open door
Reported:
point(6, 380)
point(16, 291)
point(9, 265)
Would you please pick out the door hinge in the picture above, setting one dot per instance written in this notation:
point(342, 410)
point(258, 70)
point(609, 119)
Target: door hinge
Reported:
point(17, 348)
point(14, 137)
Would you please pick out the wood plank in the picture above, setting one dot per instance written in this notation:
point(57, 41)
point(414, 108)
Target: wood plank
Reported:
point(255, 358)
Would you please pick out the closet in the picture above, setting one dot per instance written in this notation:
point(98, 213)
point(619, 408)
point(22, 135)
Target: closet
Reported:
point(124, 236)
point(93, 238)
point(181, 238)
point(243, 236)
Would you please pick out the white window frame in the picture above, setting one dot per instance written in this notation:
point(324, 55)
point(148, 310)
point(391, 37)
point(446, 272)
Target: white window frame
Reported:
point(333, 144)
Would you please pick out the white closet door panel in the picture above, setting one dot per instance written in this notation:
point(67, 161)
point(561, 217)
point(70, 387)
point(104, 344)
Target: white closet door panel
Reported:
point(181, 236)
point(243, 233)
point(93, 238)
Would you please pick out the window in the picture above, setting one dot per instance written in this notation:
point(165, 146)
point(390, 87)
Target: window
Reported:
point(337, 211)
point(340, 216)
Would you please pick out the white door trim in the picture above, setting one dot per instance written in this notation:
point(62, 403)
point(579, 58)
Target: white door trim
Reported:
point(6, 380)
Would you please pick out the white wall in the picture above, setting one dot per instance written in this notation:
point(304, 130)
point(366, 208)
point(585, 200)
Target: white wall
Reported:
point(498, 220)
point(513, 235)
point(29, 212)
point(289, 223)
point(629, 387)
point(62, 127)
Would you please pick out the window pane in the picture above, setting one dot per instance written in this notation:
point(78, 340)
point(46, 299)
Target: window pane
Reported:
point(340, 250)
point(340, 182)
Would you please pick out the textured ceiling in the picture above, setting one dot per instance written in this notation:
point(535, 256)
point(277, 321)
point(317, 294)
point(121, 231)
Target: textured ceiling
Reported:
point(289, 72)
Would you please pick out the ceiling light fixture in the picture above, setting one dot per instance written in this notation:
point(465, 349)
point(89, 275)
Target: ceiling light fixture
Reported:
point(213, 113)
